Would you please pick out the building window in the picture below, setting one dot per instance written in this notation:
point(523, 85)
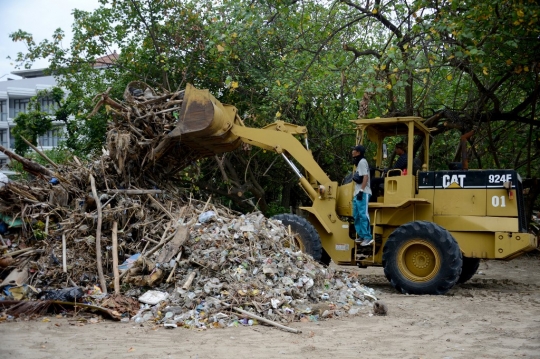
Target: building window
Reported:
point(51, 138)
point(4, 138)
point(48, 105)
point(18, 106)
point(3, 110)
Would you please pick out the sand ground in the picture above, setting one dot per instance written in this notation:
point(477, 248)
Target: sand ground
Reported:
point(495, 315)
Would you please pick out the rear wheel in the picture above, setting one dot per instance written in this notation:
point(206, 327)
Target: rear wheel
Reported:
point(470, 266)
point(306, 237)
point(422, 258)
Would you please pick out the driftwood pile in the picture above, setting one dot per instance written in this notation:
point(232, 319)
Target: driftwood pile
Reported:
point(113, 225)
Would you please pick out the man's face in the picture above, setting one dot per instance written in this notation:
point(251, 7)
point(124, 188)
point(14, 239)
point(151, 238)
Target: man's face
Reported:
point(355, 153)
point(399, 151)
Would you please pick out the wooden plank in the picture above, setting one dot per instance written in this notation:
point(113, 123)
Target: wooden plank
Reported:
point(171, 248)
point(115, 258)
point(98, 236)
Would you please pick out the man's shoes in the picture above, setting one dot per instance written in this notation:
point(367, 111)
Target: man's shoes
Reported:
point(366, 242)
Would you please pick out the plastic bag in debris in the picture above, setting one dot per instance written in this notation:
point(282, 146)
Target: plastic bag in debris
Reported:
point(128, 263)
point(153, 297)
point(71, 294)
point(206, 216)
point(22, 292)
point(54, 181)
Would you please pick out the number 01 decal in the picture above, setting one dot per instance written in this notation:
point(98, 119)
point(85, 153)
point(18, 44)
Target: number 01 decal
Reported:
point(497, 201)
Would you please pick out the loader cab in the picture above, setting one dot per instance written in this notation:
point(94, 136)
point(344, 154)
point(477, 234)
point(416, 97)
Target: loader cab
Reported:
point(397, 186)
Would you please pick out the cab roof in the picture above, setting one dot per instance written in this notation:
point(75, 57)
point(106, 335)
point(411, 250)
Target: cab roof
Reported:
point(392, 126)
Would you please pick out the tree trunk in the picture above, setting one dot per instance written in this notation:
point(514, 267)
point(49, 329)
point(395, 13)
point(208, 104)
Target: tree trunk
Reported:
point(31, 167)
point(286, 194)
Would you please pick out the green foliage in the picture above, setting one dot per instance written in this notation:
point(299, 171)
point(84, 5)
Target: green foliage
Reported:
point(58, 155)
point(17, 167)
point(38, 228)
point(30, 125)
point(37, 120)
point(274, 209)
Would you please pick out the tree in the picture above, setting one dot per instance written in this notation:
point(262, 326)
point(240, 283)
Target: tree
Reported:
point(36, 121)
point(463, 65)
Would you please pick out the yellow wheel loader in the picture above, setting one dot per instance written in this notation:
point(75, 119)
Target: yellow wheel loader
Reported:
point(431, 228)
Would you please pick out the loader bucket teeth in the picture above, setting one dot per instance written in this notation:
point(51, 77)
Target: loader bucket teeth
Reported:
point(203, 128)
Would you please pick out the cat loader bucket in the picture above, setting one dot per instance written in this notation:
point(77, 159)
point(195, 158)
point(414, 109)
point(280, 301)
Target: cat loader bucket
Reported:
point(203, 127)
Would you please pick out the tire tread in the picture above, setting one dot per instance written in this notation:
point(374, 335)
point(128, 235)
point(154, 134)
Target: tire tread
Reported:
point(447, 246)
point(308, 234)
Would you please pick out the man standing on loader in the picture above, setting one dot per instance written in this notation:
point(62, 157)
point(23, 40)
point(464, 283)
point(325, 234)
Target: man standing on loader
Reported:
point(362, 192)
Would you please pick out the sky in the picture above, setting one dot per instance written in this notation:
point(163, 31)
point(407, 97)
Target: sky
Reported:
point(38, 17)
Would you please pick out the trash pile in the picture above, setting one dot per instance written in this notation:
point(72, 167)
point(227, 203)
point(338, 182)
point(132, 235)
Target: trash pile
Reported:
point(247, 261)
point(77, 232)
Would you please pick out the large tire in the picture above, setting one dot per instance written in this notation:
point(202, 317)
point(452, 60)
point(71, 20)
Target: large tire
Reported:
point(306, 235)
point(422, 258)
point(469, 268)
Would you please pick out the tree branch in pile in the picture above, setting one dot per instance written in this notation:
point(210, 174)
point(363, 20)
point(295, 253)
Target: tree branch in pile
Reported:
point(98, 237)
point(39, 152)
point(29, 166)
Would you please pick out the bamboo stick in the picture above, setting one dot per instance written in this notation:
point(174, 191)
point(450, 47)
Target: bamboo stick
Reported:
point(160, 206)
point(158, 113)
point(206, 204)
point(188, 282)
point(162, 241)
point(64, 257)
point(98, 236)
point(34, 251)
point(268, 321)
point(11, 254)
point(174, 266)
point(135, 191)
point(115, 258)
point(158, 246)
point(39, 152)
point(150, 240)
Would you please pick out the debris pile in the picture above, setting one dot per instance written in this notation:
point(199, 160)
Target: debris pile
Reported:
point(247, 261)
point(118, 223)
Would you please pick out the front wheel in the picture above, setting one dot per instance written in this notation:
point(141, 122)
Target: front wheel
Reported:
point(305, 236)
point(422, 258)
point(470, 266)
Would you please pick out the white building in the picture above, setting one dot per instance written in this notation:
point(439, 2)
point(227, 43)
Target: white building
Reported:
point(14, 98)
